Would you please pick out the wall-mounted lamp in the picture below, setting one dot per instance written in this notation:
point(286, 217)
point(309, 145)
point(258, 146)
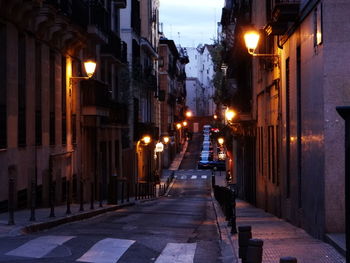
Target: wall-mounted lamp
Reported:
point(90, 67)
point(184, 123)
point(178, 126)
point(189, 114)
point(230, 114)
point(221, 140)
point(146, 139)
point(166, 139)
point(251, 39)
point(215, 117)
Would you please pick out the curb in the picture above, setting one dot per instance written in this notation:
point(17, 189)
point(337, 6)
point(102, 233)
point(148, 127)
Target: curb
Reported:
point(227, 246)
point(69, 219)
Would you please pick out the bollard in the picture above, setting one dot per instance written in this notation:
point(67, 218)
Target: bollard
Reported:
point(136, 192)
point(122, 192)
point(68, 212)
point(127, 192)
point(51, 190)
point(212, 180)
point(101, 195)
point(233, 218)
point(254, 251)
point(244, 234)
point(33, 198)
point(92, 196)
point(81, 196)
point(116, 191)
point(288, 260)
point(11, 202)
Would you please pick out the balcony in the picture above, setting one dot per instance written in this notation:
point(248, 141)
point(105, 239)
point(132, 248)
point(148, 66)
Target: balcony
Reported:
point(142, 128)
point(120, 3)
point(281, 14)
point(115, 49)
point(95, 97)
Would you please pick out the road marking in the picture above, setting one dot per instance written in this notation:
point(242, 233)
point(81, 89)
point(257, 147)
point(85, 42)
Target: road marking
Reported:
point(108, 250)
point(184, 177)
point(204, 177)
point(39, 247)
point(177, 253)
point(194, 177)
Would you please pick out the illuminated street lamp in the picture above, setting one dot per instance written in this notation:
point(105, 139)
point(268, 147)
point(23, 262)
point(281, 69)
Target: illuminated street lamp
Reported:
point(215, 117)
point(166, 139)
point(178, 126)
point(230, 114)
point(90, 67)
point(189, 114)
point(221, 140)
point(184, 123)
point(146, 139)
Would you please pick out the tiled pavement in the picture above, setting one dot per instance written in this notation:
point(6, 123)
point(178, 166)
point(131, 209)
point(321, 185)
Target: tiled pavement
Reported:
point(281, 238)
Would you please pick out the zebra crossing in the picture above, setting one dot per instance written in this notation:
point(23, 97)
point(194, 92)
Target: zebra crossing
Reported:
point(108, 250)
point(192, 174)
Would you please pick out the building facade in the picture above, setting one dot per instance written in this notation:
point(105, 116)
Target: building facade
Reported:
point(295, 132)
point(60, 134)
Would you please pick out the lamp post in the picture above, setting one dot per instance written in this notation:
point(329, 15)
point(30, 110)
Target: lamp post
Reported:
point(90, 67)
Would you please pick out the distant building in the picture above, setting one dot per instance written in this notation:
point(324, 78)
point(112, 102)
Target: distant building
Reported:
point(199, 84)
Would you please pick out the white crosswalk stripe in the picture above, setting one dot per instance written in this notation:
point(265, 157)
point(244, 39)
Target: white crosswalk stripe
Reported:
point(39, 247)
point(177, 253)
point(184, 177)
point(194, 177)
point(108, 250)
point(204, 177)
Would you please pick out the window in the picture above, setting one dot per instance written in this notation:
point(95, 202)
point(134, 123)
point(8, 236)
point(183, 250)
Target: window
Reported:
point(21, 90)
point(52, 73)
point(318, 34)
point(3, 91)
point(38, 93)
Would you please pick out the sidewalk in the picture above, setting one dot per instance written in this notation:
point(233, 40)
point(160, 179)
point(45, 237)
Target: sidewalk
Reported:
point(43, 221)
point(280, 238)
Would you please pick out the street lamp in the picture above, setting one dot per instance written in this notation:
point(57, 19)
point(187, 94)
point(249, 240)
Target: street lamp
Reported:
point(221, 140)
point(184, 123)
point(90, 67)
point(189, 114)
point(251, 39)
point(146, 139)
point(166, 139)
point(178, 126)
point(230, 114)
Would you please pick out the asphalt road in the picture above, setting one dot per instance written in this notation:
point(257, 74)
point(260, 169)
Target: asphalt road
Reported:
point(179, 228)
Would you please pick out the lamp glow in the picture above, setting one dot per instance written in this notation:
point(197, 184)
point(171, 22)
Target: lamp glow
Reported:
point(215, 116)
point(184, 123)
point(159, 147)
point(146, 139)
point(188, 114)
point(251, 40)
point(166, 139)
point(230, 114)
point(178, 126)
point(90, 67)
point(221, 140)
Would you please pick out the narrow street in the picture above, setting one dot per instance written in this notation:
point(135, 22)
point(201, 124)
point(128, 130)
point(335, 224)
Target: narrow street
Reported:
point(182, 224)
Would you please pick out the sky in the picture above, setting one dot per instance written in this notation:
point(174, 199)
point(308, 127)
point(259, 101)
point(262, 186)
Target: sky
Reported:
point(190, 22)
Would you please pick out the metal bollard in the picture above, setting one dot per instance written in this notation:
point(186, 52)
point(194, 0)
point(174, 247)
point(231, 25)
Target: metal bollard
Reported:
point(255, 251)
point(122, 192)
point(33, 200)
point(244, 235)
point(101, 195)
point(288, 260)
point(233, 218)
point(128, 192)
point(11, 202)
point(81, 195)
point(68, 211)
point(92, 196)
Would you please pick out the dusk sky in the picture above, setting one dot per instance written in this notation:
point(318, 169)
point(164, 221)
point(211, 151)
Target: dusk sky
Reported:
point(195, 20)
